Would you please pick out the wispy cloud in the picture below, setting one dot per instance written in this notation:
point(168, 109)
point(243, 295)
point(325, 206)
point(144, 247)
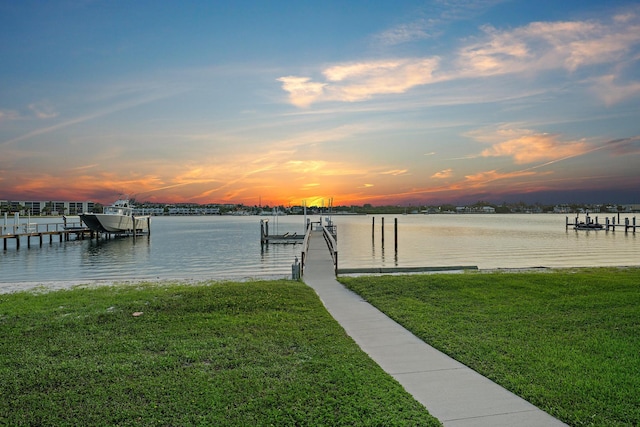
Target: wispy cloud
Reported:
point(90, 116)
point(549, 45)
point(395, 172)
point(7, 115)
point(481, 179)
point(361, 80)
point(529, 50)
point(624, 147)
point(526, 146)
point(612, 91)
point(408, 32)
point(43, 110)
point(431, 20)
point(443, 174)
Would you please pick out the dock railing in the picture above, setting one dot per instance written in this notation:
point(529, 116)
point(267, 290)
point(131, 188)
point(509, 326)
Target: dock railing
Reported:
point(33, 228)
point(328, 234)
point(39, 230)
point(332, 244)
point(305, 248)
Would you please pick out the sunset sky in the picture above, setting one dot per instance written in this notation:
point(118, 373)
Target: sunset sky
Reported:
point(285, 102)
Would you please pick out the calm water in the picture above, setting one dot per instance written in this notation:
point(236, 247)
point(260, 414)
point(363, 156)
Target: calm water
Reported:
point(486, 241)
point(229, 248)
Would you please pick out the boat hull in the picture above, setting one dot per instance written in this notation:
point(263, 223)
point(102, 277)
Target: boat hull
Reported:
point(108, 223)
point(588, 226)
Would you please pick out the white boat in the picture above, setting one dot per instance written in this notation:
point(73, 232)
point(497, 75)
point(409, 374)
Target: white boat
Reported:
point(116, 218)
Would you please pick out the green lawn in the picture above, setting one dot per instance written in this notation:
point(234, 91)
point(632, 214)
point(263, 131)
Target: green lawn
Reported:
point(567, 341)
point(257, 353)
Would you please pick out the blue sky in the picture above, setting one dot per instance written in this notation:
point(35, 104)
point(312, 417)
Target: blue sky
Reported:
point(382, 102)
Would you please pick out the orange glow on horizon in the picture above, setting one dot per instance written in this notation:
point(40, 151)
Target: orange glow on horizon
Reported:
point(106, 188)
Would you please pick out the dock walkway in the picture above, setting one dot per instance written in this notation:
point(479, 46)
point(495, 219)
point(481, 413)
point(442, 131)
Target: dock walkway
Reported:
point(451, 392)
point(36, 230)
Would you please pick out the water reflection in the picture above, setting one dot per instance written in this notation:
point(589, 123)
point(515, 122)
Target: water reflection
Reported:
point(229, 248)
point(488, 241)
point(185, 247)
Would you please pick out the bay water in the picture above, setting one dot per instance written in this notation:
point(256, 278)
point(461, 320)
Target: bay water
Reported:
point(228, 247)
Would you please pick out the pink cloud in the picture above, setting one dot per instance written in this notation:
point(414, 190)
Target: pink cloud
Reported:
point(526, 146)
point(443, 174)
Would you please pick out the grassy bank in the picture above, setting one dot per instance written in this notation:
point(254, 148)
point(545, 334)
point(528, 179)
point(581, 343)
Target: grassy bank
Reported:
point(263, 353)
point(568, 342)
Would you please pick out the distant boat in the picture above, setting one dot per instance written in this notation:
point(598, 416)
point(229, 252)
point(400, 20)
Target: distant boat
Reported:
point(274, 212)
point(588, 226)
point(116, 218)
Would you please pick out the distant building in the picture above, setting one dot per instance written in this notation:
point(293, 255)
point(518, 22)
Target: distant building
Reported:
point(50, 207)
point(148, 211)
point(476, 209)
point(193, 210)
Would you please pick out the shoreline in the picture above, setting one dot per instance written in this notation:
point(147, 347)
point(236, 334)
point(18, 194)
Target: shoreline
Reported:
point(58, 285)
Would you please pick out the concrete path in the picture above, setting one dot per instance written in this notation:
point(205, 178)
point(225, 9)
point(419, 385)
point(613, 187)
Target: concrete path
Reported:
point(451, 392)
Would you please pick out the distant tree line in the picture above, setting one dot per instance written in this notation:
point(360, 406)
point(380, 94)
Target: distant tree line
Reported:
point(519, 207)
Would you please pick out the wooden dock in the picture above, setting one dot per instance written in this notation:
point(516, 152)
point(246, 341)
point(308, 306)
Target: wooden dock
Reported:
point(64, 231)
point(71, 227)
point(609, 224)
point(266, 238)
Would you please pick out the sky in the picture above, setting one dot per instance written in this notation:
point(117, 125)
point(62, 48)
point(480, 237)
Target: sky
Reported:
point(292, 102)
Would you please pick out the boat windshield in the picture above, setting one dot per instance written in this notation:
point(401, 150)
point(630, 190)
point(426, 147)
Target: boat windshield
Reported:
point(118, 208)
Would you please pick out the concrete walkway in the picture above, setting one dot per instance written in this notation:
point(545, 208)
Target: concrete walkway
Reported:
point(451, 392)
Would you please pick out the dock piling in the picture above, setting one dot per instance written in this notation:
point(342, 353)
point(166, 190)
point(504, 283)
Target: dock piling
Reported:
point(395, 234)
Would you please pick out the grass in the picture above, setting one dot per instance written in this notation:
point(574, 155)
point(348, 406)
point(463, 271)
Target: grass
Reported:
point(567, 341)
point(260, 353)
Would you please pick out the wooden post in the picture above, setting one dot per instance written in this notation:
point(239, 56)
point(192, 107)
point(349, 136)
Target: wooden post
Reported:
point(395, 234)
point(373, 227)
point(383, 232)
